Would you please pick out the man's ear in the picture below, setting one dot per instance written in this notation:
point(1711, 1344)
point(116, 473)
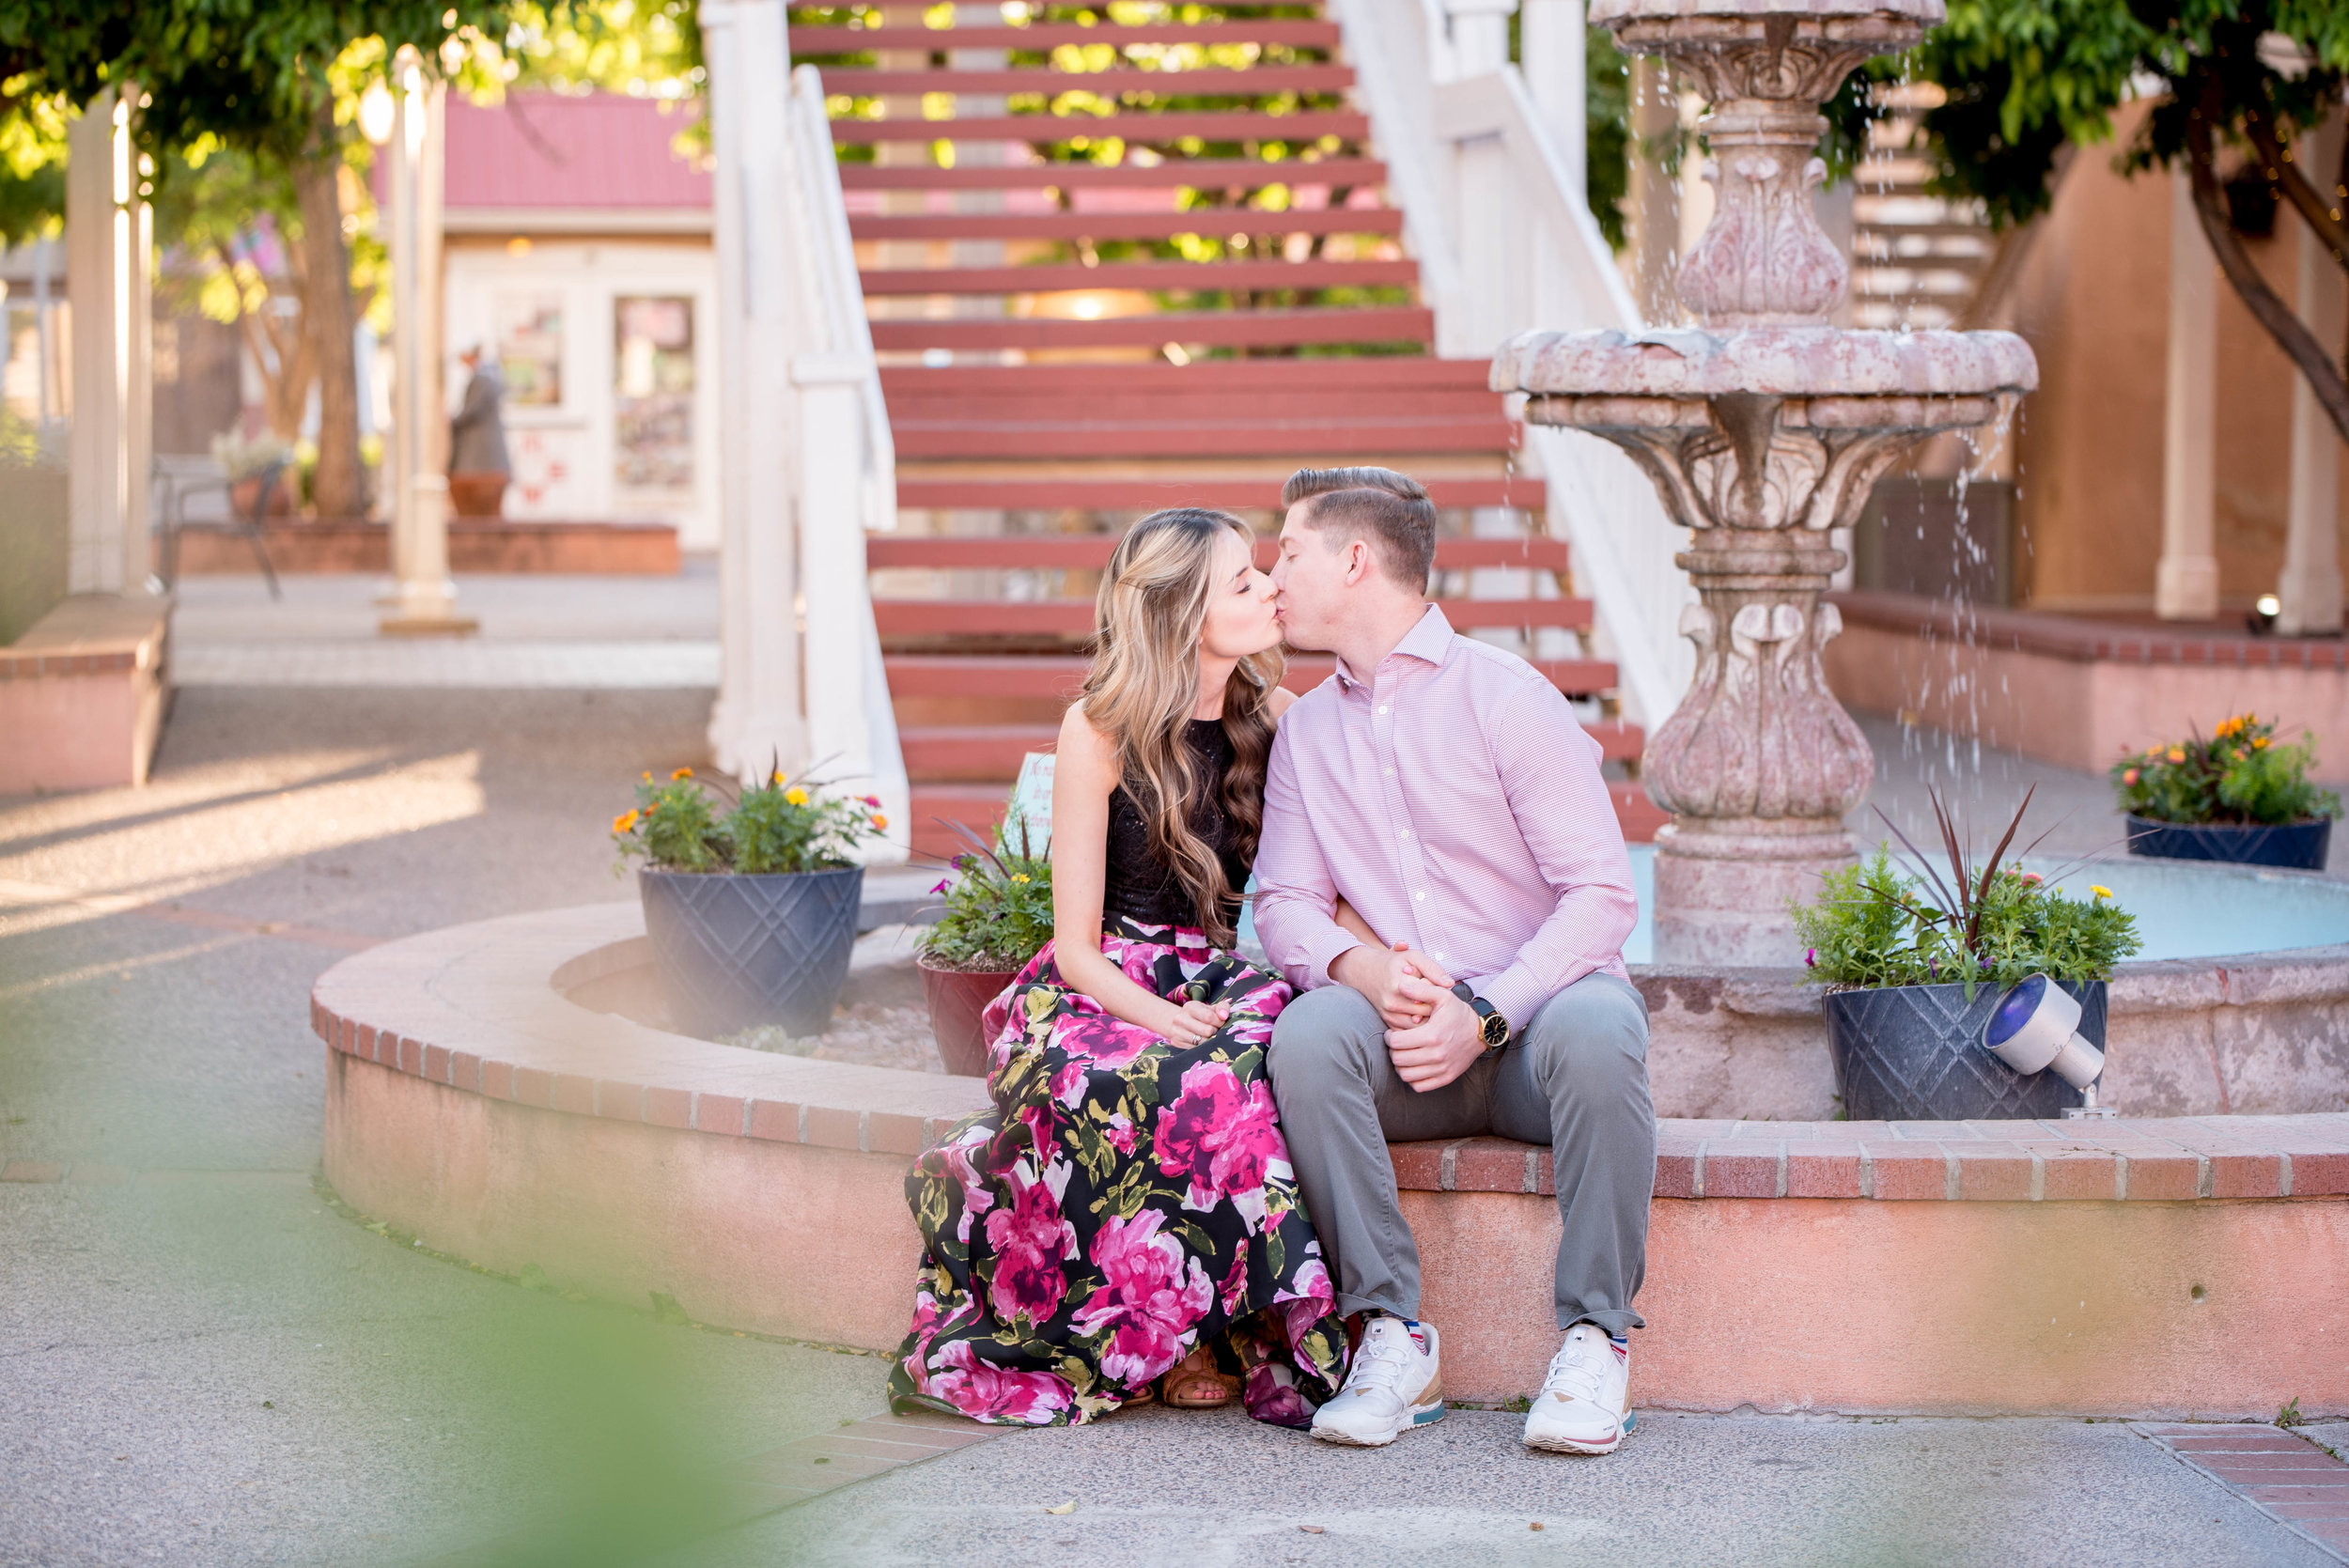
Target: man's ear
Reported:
point(1357, 562)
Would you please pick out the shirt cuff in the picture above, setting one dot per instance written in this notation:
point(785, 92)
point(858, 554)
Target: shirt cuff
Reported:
point(1516, 995)
point(1322, 952)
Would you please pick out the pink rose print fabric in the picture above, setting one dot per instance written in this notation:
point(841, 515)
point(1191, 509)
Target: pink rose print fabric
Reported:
point(1124, 1202)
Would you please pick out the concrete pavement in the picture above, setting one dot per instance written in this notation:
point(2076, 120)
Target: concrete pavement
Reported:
point(203, 1363)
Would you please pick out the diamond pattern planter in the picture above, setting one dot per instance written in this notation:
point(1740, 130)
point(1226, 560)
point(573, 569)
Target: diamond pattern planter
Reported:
point(1914, 1053)
point(739, 952)
point(2296, 846)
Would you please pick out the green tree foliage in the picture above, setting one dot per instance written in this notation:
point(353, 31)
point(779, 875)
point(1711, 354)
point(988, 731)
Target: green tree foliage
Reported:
point(2028, 80)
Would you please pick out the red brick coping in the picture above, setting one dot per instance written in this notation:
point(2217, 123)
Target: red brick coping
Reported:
point(2084, 638)
point(393, 1007)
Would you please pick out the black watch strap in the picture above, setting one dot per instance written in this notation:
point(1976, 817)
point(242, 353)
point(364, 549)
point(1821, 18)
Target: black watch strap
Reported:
point(1496, 1028)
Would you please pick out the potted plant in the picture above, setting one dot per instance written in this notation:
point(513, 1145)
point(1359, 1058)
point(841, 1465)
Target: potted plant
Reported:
point(751, 910)
point(1914, 965)
point(998, 916)
point(2237, 795)
point(245, 463)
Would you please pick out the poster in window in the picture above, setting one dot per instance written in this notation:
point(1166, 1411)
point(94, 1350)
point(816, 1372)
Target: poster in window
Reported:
point(653, 392)
point(530, 348)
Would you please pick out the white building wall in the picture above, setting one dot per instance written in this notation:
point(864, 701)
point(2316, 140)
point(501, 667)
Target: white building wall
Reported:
point(552, 306)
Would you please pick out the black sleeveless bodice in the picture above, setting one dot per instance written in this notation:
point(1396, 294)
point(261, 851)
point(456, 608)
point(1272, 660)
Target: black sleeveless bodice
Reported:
point(1139, 886)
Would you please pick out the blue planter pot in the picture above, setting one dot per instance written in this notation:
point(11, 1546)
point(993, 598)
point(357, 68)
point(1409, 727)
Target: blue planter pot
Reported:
point(736, 952)
point(1914, 1053)
point(2296, 846)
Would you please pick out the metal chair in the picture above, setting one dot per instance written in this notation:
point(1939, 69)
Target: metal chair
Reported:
point(249, 523)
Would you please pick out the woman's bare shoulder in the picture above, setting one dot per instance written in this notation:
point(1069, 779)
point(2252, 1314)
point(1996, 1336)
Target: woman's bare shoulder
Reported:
point(1282, 700)
point(1082, 745)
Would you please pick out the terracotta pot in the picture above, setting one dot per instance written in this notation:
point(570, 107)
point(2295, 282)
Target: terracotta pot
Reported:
point(478, 495)
point(244, 492)
point(957, 1002)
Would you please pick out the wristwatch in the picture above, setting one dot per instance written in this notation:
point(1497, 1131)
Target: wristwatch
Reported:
point(1493, 1027)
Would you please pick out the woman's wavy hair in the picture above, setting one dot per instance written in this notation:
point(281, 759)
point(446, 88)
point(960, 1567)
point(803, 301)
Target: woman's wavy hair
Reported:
point(1144, 687)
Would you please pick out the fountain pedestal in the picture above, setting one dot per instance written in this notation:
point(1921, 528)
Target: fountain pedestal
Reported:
point(1762, 429)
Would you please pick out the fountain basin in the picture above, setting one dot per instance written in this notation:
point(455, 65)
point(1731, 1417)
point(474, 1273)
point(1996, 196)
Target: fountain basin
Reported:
point(473, 1100)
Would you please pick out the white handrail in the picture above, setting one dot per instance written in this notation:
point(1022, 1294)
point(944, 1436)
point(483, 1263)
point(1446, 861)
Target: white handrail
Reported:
point(1506, 242)
point(847, 331)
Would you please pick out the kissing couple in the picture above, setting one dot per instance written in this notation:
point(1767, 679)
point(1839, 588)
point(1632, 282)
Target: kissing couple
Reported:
point(1181, 1189)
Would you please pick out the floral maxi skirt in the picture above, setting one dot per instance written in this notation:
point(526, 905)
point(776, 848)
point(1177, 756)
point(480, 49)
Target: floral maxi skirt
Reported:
point(1124, 1202)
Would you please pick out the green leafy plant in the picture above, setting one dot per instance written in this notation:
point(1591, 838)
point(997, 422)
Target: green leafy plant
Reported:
point(771, 826)
point(2239, 775)
point(999, 904)
point(1874, 924)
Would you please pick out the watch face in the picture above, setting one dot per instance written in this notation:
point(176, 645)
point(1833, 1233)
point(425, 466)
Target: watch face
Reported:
point(1496, 1029)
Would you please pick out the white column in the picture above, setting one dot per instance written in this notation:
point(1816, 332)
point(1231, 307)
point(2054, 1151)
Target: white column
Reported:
point(2186, 586)
point(2309, 587)
point(1480, 35)
point(109, 243)
point(1551, 35)
point(760, 712)
point(424, 600)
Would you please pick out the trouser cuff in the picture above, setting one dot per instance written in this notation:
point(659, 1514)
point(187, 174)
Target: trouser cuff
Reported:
point(1615, 1321)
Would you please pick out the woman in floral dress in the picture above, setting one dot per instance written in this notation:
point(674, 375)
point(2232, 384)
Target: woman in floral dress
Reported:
point(1126, 1210)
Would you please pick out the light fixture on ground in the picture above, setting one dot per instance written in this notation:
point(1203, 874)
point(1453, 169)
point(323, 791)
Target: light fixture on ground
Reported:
point(2035, 1029)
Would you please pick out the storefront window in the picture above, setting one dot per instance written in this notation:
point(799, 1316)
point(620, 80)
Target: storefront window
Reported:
point(653, 392)
point(530, 348)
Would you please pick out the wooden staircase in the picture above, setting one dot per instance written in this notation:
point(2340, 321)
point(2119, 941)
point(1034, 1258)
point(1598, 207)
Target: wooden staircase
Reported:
point(1917, 259)
point(1114, 261)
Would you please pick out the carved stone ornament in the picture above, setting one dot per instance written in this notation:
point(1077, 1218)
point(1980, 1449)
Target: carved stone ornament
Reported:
point(1761, 430)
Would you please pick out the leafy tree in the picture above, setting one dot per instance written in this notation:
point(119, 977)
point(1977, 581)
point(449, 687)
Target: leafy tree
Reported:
point(2028, 80)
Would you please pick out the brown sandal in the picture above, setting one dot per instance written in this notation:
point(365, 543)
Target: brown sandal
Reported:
point(1196, 1385)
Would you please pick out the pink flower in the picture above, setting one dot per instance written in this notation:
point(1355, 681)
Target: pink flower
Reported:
point(1030, 1239)
point(941, 886)
point(1271, 1395)
point(1218, 1134)
point(1235, 1287)
point(1151, 1294)
point(1120, 1131)
point(990, 1393)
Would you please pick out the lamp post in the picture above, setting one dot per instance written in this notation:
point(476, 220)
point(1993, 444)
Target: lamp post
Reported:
point(407, 115)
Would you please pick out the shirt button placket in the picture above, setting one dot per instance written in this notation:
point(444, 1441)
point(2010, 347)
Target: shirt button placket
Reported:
point(1410, 860)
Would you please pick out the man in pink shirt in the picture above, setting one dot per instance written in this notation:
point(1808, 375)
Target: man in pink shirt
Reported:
point(1442, 789)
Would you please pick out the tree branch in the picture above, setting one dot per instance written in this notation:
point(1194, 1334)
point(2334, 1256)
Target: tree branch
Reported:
point(2282, 324)
point(2311, 204)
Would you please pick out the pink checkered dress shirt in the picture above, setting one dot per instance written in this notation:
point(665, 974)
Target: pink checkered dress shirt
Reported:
point(1451, 799)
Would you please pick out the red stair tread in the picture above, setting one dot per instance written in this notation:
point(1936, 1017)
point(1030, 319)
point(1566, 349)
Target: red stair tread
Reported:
point(1147, 495)
point(1114, 404)
point(981, 806)
point(1140, 274)
point(991, 753)
point(1125, 226)
point(1091, 552)
point(1212, 328)
point(1141, 129)
point(1073, 617)
point(1336, 437)
point(1252, 82)
point(1060, 675)
point(1197, 174)
point(1297, 34)
point(1412, 371)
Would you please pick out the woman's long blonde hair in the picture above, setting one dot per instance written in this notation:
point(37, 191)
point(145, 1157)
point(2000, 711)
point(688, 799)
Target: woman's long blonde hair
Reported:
point(1144, 685)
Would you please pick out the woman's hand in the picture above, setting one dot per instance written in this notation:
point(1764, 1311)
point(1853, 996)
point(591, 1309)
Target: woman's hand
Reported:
point(1194, 1022)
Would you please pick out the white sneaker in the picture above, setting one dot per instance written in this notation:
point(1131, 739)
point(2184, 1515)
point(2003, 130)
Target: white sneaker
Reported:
point(1393, 1386)
point(1584, 1405)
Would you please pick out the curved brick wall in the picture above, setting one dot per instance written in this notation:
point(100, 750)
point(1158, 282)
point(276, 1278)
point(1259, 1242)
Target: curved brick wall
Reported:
point(2118, 1270)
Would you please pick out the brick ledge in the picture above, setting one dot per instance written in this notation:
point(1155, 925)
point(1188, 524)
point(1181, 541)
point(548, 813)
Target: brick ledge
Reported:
point(477, 1008)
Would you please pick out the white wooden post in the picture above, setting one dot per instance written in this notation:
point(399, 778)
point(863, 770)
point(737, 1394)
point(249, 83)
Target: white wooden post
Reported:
point(109, 242)
point(2310, 586)
point(424, 598)
point(1552, 38)
point(2185, 586)
point(759, 718)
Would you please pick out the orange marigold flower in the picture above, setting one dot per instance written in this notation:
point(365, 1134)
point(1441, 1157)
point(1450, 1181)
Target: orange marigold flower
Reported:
point(648, 775)
point(2129, 776)
point(624, 822)
point(2258, 743)
point(879, 822)
point(680, 773)
point(2177, 753)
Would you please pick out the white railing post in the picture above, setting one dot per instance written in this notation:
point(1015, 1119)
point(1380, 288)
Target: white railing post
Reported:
point(1552, 38)
point(759, 717)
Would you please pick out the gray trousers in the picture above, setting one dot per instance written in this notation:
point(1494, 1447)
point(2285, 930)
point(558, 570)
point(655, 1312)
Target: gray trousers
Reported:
point(1575, 1078)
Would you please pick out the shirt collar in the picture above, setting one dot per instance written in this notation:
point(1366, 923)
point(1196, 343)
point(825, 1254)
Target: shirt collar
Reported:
point(1428, 642)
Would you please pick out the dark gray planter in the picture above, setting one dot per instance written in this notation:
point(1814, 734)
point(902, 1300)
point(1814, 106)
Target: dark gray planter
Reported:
point(1914, 1053)
point(739, 952)
point(2296, 846)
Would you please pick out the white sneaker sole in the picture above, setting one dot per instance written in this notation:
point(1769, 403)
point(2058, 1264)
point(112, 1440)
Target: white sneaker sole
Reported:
point(1570, 1445)
point(1426, 1415)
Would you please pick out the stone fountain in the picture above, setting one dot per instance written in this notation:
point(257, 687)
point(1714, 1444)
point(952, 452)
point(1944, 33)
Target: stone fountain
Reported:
point(1762, 428)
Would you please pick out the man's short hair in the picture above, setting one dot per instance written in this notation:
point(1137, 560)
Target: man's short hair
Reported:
point(1388, 510)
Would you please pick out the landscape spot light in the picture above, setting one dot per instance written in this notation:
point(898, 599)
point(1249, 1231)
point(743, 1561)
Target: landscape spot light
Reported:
point(2035, 1028)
